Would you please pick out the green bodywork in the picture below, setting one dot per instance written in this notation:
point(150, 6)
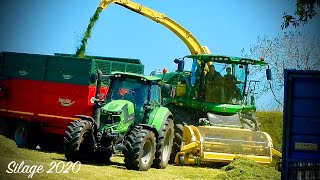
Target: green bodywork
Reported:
point(116, 109)
point(125, 109)
point(157, 116)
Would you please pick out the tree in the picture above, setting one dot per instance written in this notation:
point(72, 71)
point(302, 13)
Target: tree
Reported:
point(290, 50)
point(305, 11)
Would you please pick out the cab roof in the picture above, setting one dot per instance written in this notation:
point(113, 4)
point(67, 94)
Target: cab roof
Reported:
point(226, 59)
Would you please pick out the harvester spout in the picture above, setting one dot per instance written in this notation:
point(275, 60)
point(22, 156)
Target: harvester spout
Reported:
point(105, 3)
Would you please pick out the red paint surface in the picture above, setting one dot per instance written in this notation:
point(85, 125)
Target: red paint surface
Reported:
point(52, 104)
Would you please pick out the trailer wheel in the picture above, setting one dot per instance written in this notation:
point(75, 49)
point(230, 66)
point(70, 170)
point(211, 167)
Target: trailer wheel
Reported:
point(23, 136)
point(164, 145)
point(140, 147)
point(77, 141)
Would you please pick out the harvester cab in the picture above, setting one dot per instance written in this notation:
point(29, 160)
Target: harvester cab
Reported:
point(130, 120)
point(217, 79)
point(213, 110)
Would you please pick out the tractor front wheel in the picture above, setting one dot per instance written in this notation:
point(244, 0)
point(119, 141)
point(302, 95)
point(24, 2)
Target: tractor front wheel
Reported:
point(164, 145)
point(77, 141)
point(140, 147)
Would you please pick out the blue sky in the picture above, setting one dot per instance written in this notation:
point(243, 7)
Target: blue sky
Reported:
point(226, 27)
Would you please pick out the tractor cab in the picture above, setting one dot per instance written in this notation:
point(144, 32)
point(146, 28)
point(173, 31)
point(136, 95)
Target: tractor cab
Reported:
point(131, 96)
point(130, 120)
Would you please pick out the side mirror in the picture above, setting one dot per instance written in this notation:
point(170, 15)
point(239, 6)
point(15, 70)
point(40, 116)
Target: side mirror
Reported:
point(180, 63)
point(93, 78)
point(268, 73)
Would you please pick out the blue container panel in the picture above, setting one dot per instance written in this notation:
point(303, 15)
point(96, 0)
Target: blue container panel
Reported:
point(306, 88)
point(306, 125)
point(306, 107)
point(301, 125)
point(304, 147)
point(305, 118)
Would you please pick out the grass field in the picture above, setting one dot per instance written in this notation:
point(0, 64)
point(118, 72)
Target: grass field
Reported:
point(271, 122)
point(239, 169)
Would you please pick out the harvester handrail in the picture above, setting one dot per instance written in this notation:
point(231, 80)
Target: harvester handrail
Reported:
point(189, 40)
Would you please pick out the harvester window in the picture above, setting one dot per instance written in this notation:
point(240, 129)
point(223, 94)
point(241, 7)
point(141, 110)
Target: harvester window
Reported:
point(232, 92)
point(214, 85)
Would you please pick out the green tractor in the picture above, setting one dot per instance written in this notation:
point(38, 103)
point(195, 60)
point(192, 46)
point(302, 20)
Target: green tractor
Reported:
point(224, 98)
point(130, 120)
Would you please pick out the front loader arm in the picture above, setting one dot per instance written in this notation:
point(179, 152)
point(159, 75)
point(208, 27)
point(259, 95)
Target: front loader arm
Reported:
point(189, 40)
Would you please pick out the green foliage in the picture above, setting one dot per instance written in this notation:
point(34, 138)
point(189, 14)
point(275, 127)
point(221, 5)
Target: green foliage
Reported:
point(305, 10)
point(81, 50)
point(271, 122)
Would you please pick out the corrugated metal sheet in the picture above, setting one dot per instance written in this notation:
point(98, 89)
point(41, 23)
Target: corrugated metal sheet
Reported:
point(301, 125)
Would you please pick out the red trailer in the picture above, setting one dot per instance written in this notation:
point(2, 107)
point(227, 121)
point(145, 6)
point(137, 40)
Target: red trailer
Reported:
point(40, 94)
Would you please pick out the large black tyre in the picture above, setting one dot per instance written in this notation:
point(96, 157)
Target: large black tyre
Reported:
point(178, 130)
point(77, 141)
point(23, 136)
point(140, 147)
point(164, 145)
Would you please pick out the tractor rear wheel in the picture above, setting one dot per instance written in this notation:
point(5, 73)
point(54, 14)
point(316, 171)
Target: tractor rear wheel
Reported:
point(77, 141)
point(164, 145)
point(140, 147)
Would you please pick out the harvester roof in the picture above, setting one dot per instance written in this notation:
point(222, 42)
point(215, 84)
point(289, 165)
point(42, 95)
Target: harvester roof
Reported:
point(226, 59)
